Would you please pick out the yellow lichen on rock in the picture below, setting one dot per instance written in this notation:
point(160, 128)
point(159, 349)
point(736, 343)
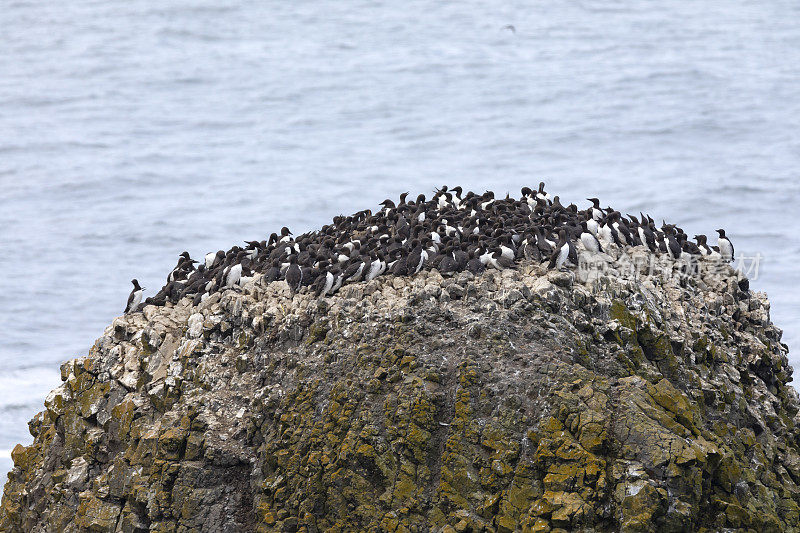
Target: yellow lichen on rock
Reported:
point(515, 401)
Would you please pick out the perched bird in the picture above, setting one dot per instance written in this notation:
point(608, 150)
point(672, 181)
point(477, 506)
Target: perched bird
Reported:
point(135, 297)
point(588, 239)
point(354, 271)
point(702, 244)
point(596, 212)
point(294, 275)
point(499, 261)
point(376, 267)
point(185, 264)
point(453, 231)
point(561, 252)
point(476, 266)
point(673, 247)
point(416, 259)
point(323, 284)
point(273, 272)
point(286, 235)
point(725, 247)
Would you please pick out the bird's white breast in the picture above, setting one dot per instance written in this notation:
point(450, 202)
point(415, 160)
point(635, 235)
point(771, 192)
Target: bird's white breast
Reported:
point(589, 242)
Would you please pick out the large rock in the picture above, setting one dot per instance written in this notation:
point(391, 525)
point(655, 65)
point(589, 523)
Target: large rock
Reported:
point(514, 401)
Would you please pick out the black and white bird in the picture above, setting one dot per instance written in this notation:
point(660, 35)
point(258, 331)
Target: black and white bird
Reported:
point(323, 284)
point(673, 247)
point(705, 249)
point(560, 254)
point(286, 235)
point(213, 259)
point(452, 232)
point(135, 297)
point(596, 212)
point(235, 273)
point(416, 259)
point(588, 239)
point(183, 269)
point(725, 247)
point(355, 270)
point(294, 275)
point(500, 262)
point(540, 194)
point(376, 267)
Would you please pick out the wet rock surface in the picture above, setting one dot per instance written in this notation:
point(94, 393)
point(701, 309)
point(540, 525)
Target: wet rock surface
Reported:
point(518, 400)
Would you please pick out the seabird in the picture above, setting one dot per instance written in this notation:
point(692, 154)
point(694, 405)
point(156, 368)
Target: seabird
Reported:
point(725, 247)
point(561, 252)
point(588, 239)
point(294, 276)
point(354, 271)
point(135, 297)
point(452, 232)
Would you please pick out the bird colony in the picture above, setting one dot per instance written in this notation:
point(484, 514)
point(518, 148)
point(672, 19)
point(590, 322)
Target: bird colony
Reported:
point(451, 232)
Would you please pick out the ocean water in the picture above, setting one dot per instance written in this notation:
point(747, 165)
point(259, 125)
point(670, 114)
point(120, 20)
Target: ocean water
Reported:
point(132, 131)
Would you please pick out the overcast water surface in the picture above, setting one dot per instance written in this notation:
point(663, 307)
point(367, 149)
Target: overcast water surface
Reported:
point(131, 131)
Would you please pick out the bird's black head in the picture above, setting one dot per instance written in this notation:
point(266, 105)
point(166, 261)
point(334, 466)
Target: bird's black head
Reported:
point(721, 232)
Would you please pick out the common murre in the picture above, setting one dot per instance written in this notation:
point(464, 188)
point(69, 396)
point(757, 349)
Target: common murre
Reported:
point(453, 232)
point(561, 252)
point(135, 297)
point(294, 275)
point(588, 239)
point(725, 246)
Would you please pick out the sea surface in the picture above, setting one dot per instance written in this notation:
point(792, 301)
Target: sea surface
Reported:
point(131, 131)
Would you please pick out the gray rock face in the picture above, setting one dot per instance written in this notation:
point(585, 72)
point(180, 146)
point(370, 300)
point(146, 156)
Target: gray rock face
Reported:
point(602, 400)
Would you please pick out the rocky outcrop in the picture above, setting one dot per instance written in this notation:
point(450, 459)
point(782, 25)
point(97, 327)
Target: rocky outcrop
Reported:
point(519, 400)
